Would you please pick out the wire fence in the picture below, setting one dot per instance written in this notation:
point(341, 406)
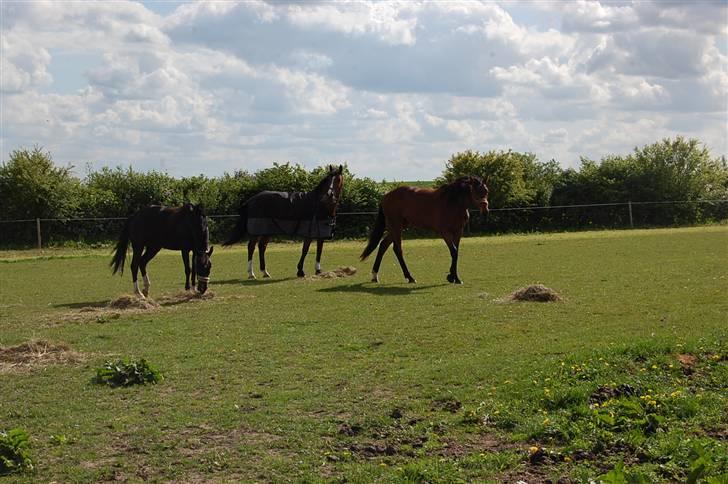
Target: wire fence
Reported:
point(40, 232)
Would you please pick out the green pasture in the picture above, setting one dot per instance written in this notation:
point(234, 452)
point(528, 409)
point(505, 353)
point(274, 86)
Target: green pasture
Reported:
point(344, 380)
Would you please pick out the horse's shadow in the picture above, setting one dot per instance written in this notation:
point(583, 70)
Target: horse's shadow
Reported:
point(373, 288)
point(83, 305)
point(252, 282)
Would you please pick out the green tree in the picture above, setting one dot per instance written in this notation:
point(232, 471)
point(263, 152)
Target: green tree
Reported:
point(33, 186)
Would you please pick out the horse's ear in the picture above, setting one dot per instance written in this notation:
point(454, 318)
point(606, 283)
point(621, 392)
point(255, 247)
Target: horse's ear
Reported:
point(341, 169)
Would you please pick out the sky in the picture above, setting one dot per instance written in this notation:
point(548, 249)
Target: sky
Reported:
point(392, 88)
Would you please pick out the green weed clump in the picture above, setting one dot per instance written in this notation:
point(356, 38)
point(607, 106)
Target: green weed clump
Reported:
point(660, 408)
point(14, 452)
point(123, 373)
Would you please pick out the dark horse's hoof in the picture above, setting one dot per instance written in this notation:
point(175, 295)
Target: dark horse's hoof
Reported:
point(300, 273)
point(318, 272)
point(411, 280)
point(453, 279)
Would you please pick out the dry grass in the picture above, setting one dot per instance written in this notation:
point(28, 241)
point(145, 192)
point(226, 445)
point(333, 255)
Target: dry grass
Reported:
point(128, 301)
point(534, 293)
point(339, 272)
point(37, 354)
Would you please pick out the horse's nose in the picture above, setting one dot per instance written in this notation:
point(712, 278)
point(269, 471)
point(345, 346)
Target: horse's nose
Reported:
point(201, 287)
point(484, 207)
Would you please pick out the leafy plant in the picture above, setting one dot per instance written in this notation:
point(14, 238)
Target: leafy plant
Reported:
point(14, 453)
point(123, 373)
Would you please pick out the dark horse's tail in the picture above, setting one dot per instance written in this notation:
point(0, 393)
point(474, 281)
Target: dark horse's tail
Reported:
point(375, 236)
point(240, 227)
point(117, 261)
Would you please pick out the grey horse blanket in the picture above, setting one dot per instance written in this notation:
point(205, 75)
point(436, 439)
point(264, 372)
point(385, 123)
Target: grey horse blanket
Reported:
point(288, 213)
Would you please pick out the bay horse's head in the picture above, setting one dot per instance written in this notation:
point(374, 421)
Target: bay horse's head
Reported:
point(478, 191)
point(330, 188)
point(200, 243)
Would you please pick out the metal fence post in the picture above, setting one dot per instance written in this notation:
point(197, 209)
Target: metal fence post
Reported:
point(631, 223)
point(37, 230)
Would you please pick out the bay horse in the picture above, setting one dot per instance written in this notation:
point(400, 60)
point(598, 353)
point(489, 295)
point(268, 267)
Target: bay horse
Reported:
point(443, 210)
point(155, 228)
point(310, 215)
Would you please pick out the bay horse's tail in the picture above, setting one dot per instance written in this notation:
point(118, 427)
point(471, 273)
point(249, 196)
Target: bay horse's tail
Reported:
point(375, 236)
point(117, 261)
point(240, 227)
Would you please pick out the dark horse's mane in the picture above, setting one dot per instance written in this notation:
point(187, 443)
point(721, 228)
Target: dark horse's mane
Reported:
point(456, 190)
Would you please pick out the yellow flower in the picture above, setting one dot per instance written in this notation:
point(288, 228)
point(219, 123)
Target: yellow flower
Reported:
point(567, 459)
point(507, 382)
point(533, 449)
point(546, 421)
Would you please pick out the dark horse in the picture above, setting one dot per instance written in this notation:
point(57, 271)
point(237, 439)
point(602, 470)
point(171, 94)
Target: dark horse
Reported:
point(443, 210)
point(310, 215)
point(178, 228)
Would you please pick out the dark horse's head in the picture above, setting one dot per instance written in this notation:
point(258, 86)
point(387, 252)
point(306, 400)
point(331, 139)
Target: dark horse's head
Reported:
point(474, 189)
point(200, 242)
point(329, 189)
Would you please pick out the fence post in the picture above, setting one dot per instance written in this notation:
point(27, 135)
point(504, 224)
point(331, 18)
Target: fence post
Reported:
point(37, 230)
point(631, 223)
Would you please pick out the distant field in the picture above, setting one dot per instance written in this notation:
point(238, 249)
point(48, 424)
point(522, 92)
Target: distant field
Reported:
point(316, 380)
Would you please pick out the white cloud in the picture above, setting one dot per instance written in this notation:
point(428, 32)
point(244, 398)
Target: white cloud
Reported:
point(394, 88)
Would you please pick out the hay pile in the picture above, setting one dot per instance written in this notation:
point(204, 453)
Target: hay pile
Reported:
point(185, 296)
point(339, 272)
point(534, 293)
point(36, 353)
point(127, 301)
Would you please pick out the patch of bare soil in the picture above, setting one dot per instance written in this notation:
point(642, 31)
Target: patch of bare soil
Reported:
point(37, 354)
point(339, 272)
point(534, 293)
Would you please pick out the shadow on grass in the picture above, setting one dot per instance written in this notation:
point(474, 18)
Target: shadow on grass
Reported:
point(373, 288)
point(251, 282)
point(82, 305)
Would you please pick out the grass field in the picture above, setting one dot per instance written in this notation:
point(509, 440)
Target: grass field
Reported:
point(302, 380)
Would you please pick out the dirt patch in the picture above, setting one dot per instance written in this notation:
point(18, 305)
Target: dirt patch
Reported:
point(534, 293)
point(339, 272)
point(604, 393)
point(37, 354)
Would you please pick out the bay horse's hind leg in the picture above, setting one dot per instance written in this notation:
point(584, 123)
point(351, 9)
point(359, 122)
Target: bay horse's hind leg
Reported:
point(397, 242)
point(251, 251)
point(146, 257)
point(304, 252)
point(186, 262)
point(135, 259)
point(319, 251)
point(262, 245)
point(383, 246)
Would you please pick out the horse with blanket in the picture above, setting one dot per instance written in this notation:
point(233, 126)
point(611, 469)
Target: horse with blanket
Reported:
point(310, 215)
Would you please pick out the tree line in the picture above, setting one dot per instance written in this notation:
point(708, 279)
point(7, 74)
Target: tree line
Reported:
point(678, 169)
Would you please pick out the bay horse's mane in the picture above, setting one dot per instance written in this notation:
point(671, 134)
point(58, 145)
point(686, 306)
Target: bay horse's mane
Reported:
point(454, 191)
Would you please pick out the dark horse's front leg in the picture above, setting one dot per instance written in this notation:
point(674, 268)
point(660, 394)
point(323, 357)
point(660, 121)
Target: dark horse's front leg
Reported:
point(251, 252)
point(319, 251)
point(453, 244)
point(304, 252)
point(186, 262)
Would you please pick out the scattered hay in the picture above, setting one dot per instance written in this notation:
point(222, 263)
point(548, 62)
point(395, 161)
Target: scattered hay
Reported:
point(185, 296)
point(339, 272)
point(37, 353)
point(127, 301)
point(534, 293)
